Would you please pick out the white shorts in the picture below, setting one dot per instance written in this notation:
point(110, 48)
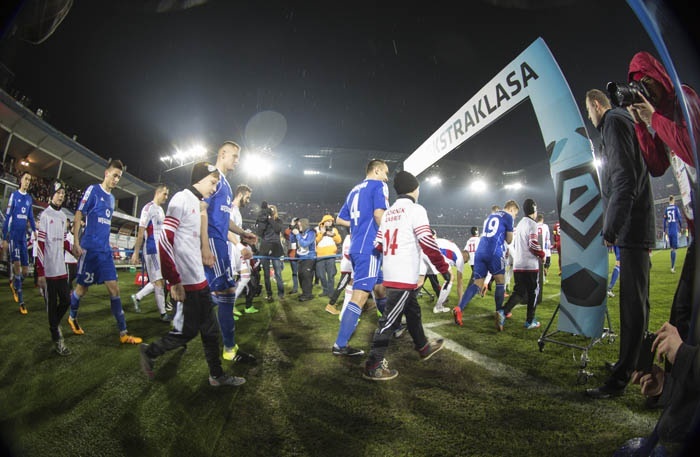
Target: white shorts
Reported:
point(345, 265)
point(238, 264)
point(152, 262)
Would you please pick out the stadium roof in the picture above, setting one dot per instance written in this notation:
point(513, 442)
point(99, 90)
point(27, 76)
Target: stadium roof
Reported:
point(51, 154)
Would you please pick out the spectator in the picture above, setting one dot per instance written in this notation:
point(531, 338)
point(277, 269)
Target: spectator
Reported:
point(306, 253)
point(327, 239)
point(291, 249)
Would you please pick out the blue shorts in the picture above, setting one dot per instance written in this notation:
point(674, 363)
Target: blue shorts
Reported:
point(18, 250)
point(485, 264)
point(219, 276)
point(96, 268)
point(366, 270)
point(673, 240)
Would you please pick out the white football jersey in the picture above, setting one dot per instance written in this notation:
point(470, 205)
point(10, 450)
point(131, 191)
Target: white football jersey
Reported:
point(51, 244)
point(403, 234)
point(471, 246)
point(180, 244)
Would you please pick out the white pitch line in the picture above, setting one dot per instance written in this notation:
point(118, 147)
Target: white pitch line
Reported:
point(519, 378)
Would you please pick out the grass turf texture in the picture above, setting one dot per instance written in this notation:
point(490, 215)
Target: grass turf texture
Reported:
point(487, 394)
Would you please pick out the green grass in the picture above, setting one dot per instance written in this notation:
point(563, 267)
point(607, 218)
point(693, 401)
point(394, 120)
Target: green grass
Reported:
point(506, 399)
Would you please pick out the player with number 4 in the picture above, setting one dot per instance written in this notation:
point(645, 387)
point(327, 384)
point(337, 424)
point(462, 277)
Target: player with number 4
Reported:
point(362, 212)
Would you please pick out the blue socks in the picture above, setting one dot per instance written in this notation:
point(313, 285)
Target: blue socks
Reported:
point(614, 276)
point(18, 287)
point(227, 323)
point(381, 304)
point(74, 305)
point(115, 303)
point(499, 295)
point(673, 259)
point(348, 324)
point(468, 295)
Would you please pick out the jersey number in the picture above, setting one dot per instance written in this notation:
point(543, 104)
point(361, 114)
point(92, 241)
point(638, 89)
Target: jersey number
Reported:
point(354, 211)
point(491, 227)
point(390, 244)
point(671, 216)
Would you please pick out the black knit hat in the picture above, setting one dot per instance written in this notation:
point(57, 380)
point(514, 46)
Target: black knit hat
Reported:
point(405, 182)
point(56, 186)
point(529, 206)
point(200, 171)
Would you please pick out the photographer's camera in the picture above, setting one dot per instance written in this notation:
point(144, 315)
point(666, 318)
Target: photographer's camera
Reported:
point(626, 94)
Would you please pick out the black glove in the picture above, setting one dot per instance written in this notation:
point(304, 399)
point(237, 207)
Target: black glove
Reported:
point(447, 276)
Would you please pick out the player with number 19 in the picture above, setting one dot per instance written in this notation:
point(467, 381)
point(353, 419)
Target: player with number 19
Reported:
point(490, 256)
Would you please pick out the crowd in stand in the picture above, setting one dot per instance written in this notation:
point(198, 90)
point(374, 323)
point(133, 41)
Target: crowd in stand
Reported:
point(40, 188)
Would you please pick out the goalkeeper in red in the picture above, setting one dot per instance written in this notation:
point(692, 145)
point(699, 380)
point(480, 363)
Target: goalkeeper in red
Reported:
point(403, 234)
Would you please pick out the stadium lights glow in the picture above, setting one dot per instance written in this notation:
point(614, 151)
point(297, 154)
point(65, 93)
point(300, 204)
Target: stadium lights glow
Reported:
point(434, 179)
point(258, 165)
point(186, 155)
point(313, 156)
point(597, 163)
point(311, 172)
point(514, 185)
point(478, 185)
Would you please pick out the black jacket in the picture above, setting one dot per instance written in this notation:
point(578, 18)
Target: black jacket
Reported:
point(627, 197)
point(269, 231)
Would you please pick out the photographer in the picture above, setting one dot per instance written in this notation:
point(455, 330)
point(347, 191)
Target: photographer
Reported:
point(629, 224)
point(269, 228)
point(668, 147)
point(676, 388)
point(327, 239)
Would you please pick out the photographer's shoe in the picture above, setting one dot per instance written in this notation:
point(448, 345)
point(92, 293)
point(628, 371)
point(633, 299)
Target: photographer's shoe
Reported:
point(607, 390)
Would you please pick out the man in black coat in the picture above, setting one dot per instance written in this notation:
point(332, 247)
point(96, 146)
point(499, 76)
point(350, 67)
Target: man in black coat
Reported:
point(629, 224)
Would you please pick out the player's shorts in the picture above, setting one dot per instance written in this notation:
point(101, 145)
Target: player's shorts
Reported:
point(234, 254)
point(152, 262)
point(219, 276)
point(96, 268)
point(366, 271)
point(345, 265)
point(673, 240)
point(18, 251)
point(488, 264)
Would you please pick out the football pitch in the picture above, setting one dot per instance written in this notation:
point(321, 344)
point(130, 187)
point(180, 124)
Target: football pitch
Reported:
point(486, 394)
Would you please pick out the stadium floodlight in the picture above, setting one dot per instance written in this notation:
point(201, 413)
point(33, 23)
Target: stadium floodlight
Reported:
point(597, 163)
point(185, 156)
point(514, 185)
point(478, 185)
point(434, 179)
point(311, 172)
point(257, 165)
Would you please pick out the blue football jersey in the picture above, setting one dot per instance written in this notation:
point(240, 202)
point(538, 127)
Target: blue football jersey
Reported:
point(219, 209)
point(97, 207)
point(19, 212)
point(493, 236)
point(359, 206)
point(672, 219)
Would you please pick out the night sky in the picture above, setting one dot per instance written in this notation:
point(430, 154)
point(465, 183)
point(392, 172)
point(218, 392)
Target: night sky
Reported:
point(133, 82)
